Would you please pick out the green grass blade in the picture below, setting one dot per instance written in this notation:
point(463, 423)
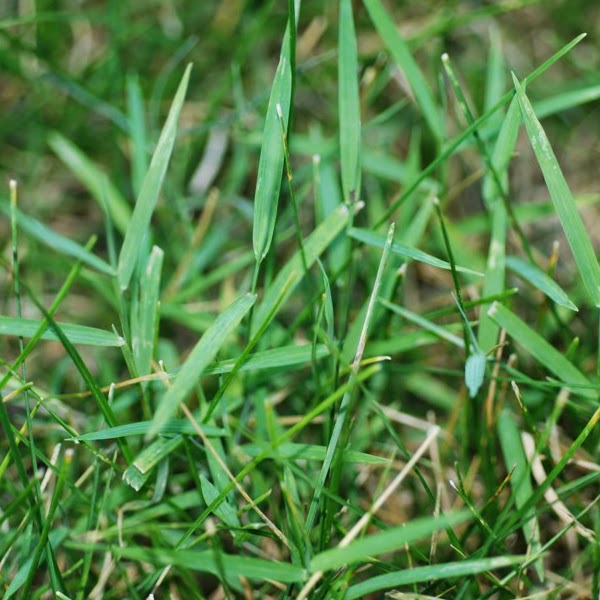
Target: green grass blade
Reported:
point(58, 242)
point(77, 334)
point(92, 177)
point(173, 427)
point(200, 357)
point(137, 128)
point(348, 104)
point(402, 56)
point(514, 457)
point(139, 224)
point(384, 541)
point(542, 351)
point(570, 219)
point(444, 571)
point(543, 282)
point(378, 241)
point(270, 165)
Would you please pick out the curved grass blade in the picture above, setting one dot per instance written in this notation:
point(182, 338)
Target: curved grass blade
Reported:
point(543, 282)
point(175, 427)
point(563, 201)
point(429, 573)
point(402, 56)
point(200, 357)
point(77, 334)
point(270, 165)
point(348, 104)
point(94, 179)
point(146, 201)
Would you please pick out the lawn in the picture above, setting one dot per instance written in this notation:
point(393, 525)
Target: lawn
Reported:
point(299, 299)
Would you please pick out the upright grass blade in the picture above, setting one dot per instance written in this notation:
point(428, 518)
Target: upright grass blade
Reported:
point(571, 222)
point(99, 185)
point(404, 59)
point(137, 228)
point(137, 128)
point(514, 458)
point(200, 357)
point(270, 165)
point(542, 351)
point(348, 104)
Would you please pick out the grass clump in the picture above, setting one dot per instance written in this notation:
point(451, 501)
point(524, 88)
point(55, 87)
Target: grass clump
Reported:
point(309, 315)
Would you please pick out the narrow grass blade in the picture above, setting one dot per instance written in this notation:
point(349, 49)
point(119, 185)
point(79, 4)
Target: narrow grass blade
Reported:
point(224, 510)
point(291, 274)
point(77, 334)
point(543, 282)
point(270, 165)
point(92, 177)
point(567, 100)
point(140, 470)
point(384, 541)
point(514, 457)
point(313, 452)
point(402, 56)
point(58, 242)
point(348, 104)
point(200, 357)
point(138, 226)
point(137, 129)
point(378, 241)
point(570, 219)
point(542, 351)
point(174, 427)
point(444, 571)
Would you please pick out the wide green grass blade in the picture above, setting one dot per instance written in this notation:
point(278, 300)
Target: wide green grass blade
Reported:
point(404, 59)
point(270, 165)
point(174, 427)
point(348, 104)
point(200, 357)
point(138, 227)
point(77, 334)
point(542, 351)
point(92, 177)
point(384, 541)
point(522, 489)
point(543, 282)
point(378, 241)
point(569, 216)
point(57, 241)
point(440, 572)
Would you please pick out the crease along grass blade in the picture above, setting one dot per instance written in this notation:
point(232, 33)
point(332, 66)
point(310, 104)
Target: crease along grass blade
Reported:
point(77, 334)
point(200, 357)
point(542, 281)
point(94, 179)
point(139, 224)
point(563, 201)
point(348, 104)
point(522, 489)
point(270, 164)
point(403, 58)
point(430, 573)
point(542, 351)
point(384, 541)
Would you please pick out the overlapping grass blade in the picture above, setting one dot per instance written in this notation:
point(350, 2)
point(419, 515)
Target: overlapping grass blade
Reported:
point(402, 56)
point(200, 357)
point(542, 351)
point(270, 165)
point(348, 104)
point(439, 572)
point(98, 184)
point(138, 227)
point(384, 541)
point(570, 219)
point(77, 334)
point(543, 282)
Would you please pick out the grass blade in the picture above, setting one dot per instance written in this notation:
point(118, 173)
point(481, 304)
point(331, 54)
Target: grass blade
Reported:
point(348, 104)
point(563, 201)
point(146, 201)
point(200, 357)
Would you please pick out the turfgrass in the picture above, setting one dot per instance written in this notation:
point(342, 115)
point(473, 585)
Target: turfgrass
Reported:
point(299, 301)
